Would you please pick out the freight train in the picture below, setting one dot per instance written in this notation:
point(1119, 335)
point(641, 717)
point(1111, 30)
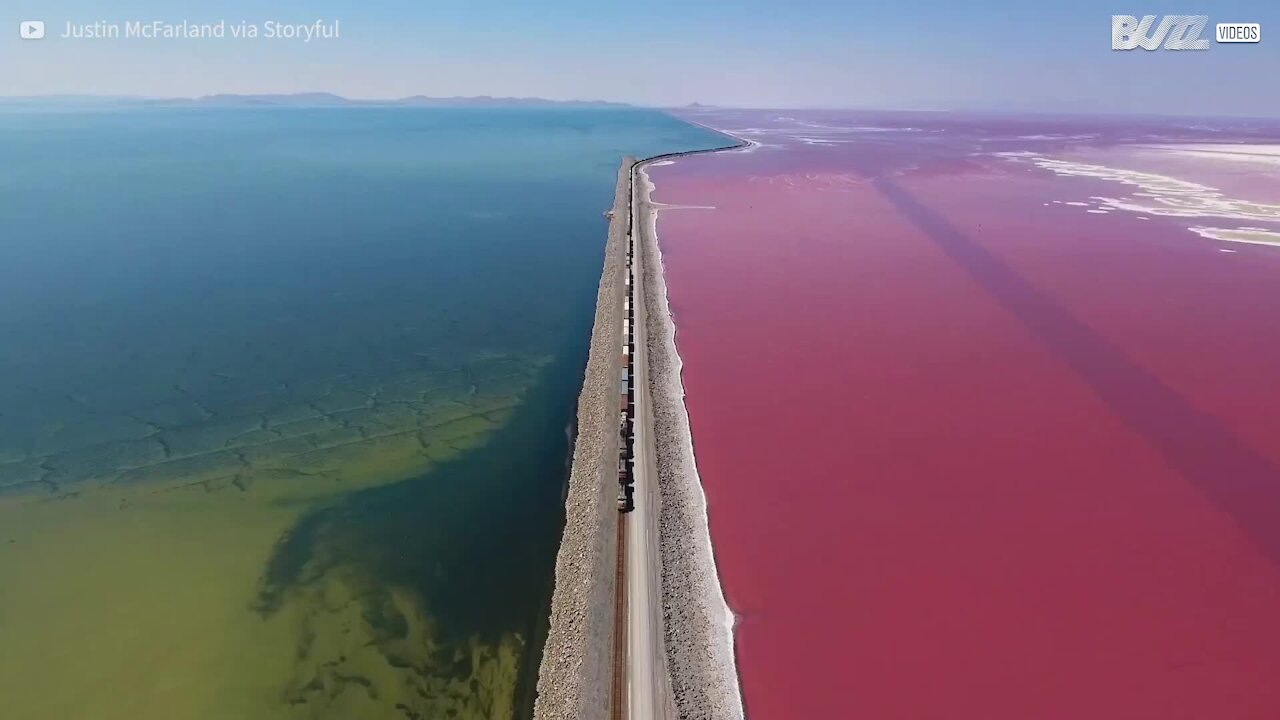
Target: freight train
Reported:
point(627, 414)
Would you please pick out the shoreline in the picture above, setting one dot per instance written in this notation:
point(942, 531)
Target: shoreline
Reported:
point(574, 678)
point(697, 620)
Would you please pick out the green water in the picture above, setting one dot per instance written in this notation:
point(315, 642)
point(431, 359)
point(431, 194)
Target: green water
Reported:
point(283, 403)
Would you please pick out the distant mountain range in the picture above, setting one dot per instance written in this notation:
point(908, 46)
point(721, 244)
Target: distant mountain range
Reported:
point(316, 99)
point(331, 100)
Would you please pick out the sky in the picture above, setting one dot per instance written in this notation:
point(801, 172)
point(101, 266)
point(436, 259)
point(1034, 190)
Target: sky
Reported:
point(1015, 55)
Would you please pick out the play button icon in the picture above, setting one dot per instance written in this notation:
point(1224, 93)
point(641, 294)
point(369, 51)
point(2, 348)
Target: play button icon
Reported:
point(31, 30)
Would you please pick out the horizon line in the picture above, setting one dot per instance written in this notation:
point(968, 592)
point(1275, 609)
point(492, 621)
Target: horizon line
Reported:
point(337, 100)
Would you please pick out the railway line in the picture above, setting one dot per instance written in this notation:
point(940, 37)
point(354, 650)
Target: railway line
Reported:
point(618, 694)
point(619, 697)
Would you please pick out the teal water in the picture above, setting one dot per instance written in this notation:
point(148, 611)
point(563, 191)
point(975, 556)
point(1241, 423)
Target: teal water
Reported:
point(284, 402)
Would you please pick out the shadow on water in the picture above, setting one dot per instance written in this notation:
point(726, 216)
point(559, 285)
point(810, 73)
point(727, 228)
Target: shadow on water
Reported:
point(1233, 475)
point(473, 540)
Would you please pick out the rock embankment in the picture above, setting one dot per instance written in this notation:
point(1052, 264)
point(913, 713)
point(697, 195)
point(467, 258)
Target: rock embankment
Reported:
point(576, 671)
point(697, 622)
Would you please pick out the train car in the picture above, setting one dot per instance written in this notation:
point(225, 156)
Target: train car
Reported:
point(626, 488)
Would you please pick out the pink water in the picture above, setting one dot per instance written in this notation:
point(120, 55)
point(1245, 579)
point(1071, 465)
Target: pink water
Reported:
point(968, 452)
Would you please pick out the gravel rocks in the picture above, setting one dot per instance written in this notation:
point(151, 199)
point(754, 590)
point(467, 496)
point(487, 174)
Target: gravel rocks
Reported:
point(574, 679)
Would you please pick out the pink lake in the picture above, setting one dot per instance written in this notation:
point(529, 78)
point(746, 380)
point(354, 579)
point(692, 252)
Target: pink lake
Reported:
point(986, 431)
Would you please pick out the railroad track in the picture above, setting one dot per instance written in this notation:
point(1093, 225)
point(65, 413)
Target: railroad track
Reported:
point(619, 695)
point(618, 710)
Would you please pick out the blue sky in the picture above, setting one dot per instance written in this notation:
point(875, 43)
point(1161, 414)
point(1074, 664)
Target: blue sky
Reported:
point(935, 54)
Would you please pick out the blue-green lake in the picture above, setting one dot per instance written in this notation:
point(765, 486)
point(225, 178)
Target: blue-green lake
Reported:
point(285, 398)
